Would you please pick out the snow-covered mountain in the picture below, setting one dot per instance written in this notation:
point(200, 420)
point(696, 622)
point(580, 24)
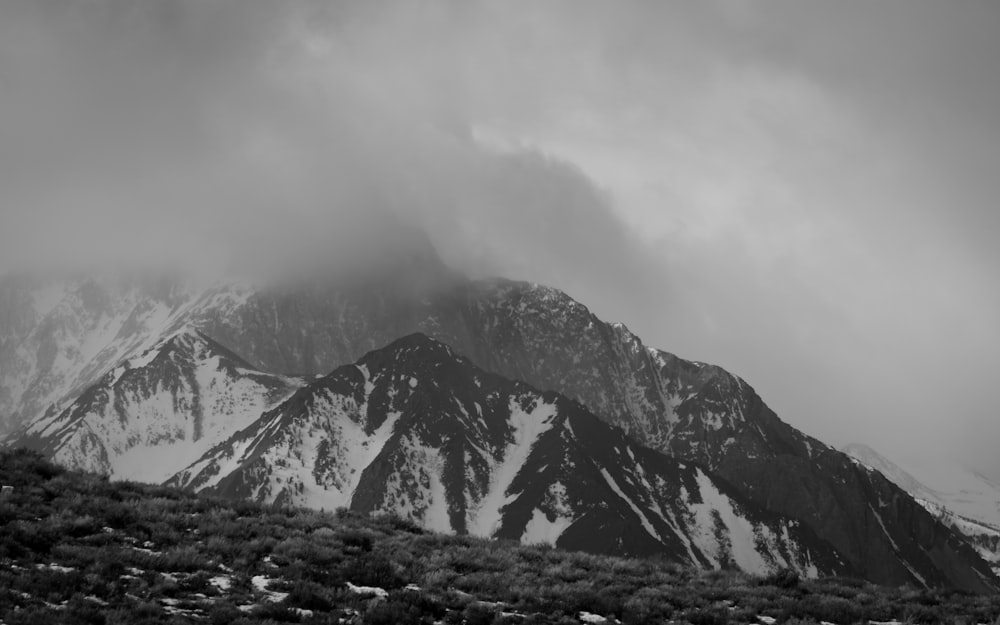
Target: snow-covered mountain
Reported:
point(964, 500)
point(59, 336)
point(686, 409)
point(156, 412)
point(692, 411)
point(417, 430)
point(965, 492)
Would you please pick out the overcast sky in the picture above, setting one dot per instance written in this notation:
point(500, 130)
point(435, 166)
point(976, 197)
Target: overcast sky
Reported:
point(802, 192)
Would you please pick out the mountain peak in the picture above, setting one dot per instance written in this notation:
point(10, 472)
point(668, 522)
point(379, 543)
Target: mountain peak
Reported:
point(419, 341)
point(417, 430)
point(412, 352)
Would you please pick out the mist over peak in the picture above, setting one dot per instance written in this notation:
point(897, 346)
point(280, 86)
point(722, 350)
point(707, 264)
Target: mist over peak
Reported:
point(799, 192)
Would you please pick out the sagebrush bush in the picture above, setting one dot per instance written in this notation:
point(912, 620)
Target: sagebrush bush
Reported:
point(783, 578)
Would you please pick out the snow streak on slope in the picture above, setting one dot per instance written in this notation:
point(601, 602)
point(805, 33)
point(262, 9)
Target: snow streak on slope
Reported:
point(638, 513)
point(727, 537)
point(547, 528)
point(526, 427)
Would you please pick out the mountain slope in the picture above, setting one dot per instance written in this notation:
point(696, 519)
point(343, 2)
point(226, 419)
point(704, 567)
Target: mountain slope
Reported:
point(416, 430)
point(973, 497)
point(153, 414)
point(899, 476)
point(59, 336)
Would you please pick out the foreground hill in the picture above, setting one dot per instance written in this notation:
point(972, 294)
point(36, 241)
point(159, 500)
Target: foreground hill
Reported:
point(688, 410)
point(77, 548)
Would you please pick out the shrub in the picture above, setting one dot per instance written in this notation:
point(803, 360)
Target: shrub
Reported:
point(829, 608)
point(276, 612)
point(223, 613)
point(479, 614)
point(783, 578)
point(357, 540)
point(85, 611)
point(372, 570)
point(716, 615)
point(391, 613)
point(308, 597)
point(647, 606)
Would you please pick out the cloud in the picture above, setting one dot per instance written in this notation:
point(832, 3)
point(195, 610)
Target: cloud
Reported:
point(206, 132)
point(815, 235)
point(754, 184)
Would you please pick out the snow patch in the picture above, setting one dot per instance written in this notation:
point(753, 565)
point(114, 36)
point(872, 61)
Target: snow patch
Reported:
point(722, 534)
point(55, 567)
point(639, 513)
point(541, 530)
point(368, 590)
point(260, 583)
point(526, 428)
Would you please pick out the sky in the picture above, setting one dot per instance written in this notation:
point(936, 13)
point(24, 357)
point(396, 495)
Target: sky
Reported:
point(803, 192)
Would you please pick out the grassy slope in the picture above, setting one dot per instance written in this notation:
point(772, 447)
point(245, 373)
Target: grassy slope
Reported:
point(75, 548)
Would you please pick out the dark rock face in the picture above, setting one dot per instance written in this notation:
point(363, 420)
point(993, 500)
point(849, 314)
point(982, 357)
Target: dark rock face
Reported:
point(879, 527)
point(417, 430)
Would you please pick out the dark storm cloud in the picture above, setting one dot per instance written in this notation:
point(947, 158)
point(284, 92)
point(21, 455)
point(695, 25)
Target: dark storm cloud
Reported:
point(800, 191)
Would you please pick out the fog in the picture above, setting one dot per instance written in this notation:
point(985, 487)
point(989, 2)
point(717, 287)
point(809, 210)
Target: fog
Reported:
point(801, 192)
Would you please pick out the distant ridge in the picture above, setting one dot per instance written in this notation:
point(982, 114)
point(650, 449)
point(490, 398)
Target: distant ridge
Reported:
point(980, 495)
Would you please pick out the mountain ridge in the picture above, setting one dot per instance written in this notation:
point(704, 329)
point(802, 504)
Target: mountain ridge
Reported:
point(168, 402)
point(688, 410)
point(461, 450)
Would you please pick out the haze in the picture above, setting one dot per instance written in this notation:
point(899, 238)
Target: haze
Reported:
point(802, 192)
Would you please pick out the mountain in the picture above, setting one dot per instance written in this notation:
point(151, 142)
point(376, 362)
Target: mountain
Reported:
point(59, 336)
point(692, 411)
point(689, 410)
point(875, 461)
point(153, 414)
point(416, 430)
point(969, 506)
